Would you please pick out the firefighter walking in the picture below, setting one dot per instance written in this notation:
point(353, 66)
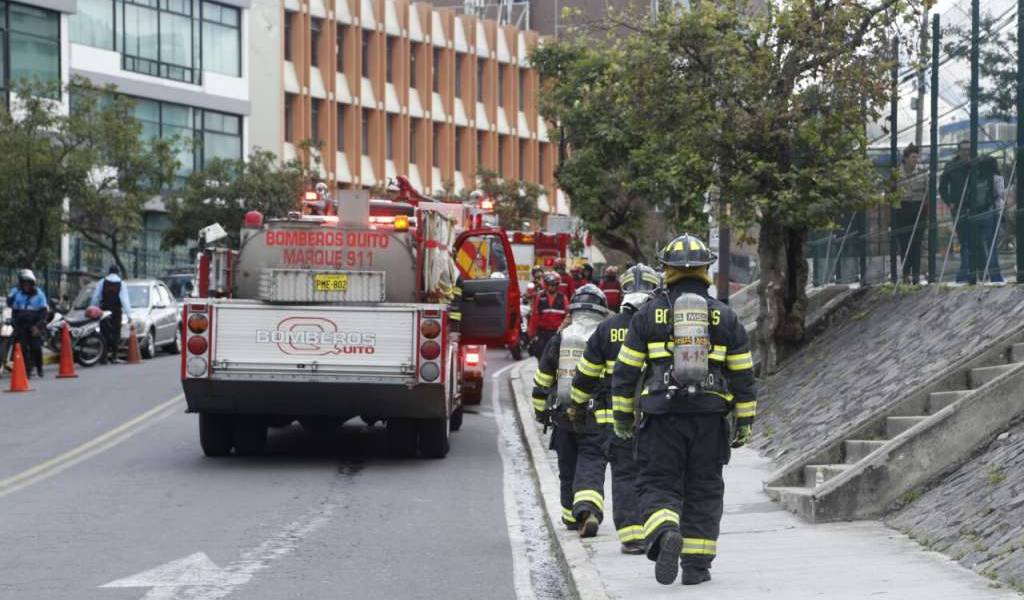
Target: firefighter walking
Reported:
point(698, 370)
point(552, 385)
point(592, 416)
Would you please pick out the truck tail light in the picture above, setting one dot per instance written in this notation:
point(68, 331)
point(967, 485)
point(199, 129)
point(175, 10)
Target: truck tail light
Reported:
point(472, 358)
point(196, 366)
point(430, 350)
point(430, 329)
point(429, 371)
point(197, 345)
point(198, 323)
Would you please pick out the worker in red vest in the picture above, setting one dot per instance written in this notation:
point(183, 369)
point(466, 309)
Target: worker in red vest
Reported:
point(612, 288)
point(547, 313)
point(567, 286)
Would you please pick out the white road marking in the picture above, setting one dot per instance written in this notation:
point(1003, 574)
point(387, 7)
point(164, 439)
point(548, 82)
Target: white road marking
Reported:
point(506, 428)
point(196, 577)
point(101, 443)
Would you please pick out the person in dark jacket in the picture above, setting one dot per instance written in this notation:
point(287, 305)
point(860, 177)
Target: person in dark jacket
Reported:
point(592, 418)
point(29, 311)
point(974, 211)
point(111, 294)
point(683, 436)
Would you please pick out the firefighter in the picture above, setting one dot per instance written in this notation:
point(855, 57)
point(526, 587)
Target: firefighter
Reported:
point(29, 311)
point(567, 286)
point(112, 294)
point(552, 386)
point(592, 417)
point(612, 288)
point(546, 315)
point(578, 277)
point(455, 307)
point(698, 370)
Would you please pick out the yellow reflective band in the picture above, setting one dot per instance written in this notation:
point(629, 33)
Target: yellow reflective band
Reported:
point(540, 404)
point(739, 362)
point(579, 396)
point(659, 350)
point(457, 291)
point(660, 518)
point(590, 369)
point(622, 404)
point(454, 315)
point(609, 366)
point(699, 546)
point(567, 515)
point(631, 357)
point(723, 395)
point(592, 496)
point(543, 379)
point(746, 409)
point(717, 353)
point(694, 244)
point(604, 416)
point(651, 279)
point(630, 533)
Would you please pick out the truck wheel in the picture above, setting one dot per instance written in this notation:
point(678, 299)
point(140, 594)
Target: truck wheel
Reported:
point(216, 435)
point(401, 438)
point(456, 420)
point(433, 437)
point(250, 436)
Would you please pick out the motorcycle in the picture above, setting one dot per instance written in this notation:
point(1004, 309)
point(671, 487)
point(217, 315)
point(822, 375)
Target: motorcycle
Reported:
point(87, 344)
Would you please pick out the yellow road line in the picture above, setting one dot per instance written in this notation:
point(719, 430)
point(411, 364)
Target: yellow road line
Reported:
point(105, 441)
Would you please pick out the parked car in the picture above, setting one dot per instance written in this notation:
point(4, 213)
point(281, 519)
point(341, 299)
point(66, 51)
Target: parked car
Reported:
point(182, 284)
point(155, 314)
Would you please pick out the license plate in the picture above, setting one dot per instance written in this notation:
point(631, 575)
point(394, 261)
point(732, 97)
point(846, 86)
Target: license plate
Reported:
point(330, 283)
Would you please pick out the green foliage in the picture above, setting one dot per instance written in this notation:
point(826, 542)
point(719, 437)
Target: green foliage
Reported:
point(997, 60)
point(995, 475)
point(515, 202)
point(227, 189)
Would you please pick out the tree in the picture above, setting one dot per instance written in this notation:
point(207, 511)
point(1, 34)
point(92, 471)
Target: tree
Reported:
point(515, 202)
point(227, 189)
point(997, 60)
point(34, 181)
point(122, 170)
point(764, 104)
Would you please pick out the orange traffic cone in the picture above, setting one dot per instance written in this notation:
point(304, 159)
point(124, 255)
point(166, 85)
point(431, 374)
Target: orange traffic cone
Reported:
point(134, 356)
point(19, 378)
point(67, 359)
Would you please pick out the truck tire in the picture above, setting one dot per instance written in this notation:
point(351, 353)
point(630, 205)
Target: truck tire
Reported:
point(250, 436)
point(456, 420)
point(216, 435)
point(401, 438)
point(433, 437)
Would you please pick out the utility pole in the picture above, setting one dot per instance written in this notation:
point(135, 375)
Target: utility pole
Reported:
point(919, 127)
point(969, 226)
point(894, 152)
point(1018, 188)
point(933, 157)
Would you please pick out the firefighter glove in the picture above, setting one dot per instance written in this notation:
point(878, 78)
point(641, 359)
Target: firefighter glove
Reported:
point(743, 435)
point(623, 429)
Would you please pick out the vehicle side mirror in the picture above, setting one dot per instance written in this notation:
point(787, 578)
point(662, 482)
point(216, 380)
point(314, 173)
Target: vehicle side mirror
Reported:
point(160, 305)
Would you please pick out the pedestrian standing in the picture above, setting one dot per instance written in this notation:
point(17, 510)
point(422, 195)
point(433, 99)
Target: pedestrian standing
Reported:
point(552, 387)
point(683, 435)
point(111, 294)
point(549, 309)
point(29, 311)
point(991, 189)
point(908, 217)
point(966, 208)
point(592, 419)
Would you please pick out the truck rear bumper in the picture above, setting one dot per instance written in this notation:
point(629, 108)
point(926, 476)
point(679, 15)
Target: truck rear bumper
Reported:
point(300, 398)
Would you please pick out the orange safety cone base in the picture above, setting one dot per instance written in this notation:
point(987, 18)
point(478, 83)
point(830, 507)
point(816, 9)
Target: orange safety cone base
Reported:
point(67, 360)
point(134, 356)
point(19, 377)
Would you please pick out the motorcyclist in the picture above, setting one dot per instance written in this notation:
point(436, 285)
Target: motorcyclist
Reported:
point(29, 310)
point(111, 294)
point(549, 309)
point(611, 287)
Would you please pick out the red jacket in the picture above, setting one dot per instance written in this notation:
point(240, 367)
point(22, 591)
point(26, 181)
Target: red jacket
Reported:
point(547, 313)
point(568, 286)
point(613, 292)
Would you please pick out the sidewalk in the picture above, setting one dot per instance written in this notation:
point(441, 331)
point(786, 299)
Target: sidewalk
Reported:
point(764, 551)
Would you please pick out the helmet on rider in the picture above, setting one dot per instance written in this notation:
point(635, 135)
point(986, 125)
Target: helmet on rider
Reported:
point(93, 313)
point(26, 276)
point(637, 284)
point(588, 297)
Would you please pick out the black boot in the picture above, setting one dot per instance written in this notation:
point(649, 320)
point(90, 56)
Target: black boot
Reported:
point(695, 575)
point(666, 568)
point(634, 547)
point(588, 524)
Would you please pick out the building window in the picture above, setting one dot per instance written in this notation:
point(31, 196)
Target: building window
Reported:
point(158, 39)
point(288, 35)
point(458, 76)
point(479, 150)
point(413, 68)
point(459, 134)
point(414, 142)
point(93, 24)
point(222, 39)
point(314, 42)
point(522, 89)
point(389, 138)
point(289, 118)
point(501, 85)
point(314, 120)
point(391, 59)
point(366, 54)
point(542, 173)
point(31, 43)
point(436, 69)
point(480, 79)
point(340, 48)
point(341, 128)
point(435, 158)
point(216, 135)
point(366, 132)
point(222, 136)
point(522, 159)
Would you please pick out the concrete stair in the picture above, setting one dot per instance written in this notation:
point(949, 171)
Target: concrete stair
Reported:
point(886, 457)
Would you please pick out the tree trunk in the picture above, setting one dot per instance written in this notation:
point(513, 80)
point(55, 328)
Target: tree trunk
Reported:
point(781, 292)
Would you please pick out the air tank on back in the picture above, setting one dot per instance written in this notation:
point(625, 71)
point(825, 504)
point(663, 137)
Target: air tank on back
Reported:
point(692, 340)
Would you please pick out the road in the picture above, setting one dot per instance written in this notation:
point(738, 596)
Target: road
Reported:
point(105, 494)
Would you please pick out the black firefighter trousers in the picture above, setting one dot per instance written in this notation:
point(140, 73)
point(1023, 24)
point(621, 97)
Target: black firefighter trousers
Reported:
point(598, 447)
point(680, 483)
point(564, 441)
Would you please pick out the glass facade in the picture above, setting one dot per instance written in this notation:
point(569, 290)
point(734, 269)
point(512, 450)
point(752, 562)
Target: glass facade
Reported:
point(29, 45)
point(203, 135)
point(171, 39)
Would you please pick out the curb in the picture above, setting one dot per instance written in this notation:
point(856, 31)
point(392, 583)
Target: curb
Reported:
point(581, 572)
